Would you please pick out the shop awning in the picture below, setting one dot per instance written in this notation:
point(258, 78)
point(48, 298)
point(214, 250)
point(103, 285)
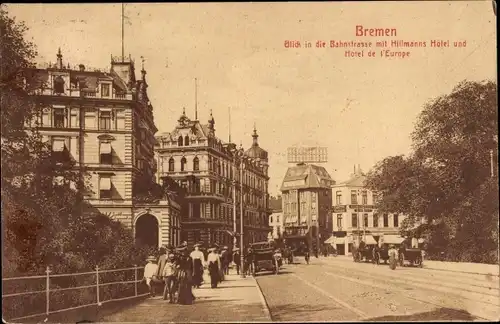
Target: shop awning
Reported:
point(58, 145)
point(369, 240)
point(105, 148)
point(331, 240)
point(392, 239)
point(105, 183)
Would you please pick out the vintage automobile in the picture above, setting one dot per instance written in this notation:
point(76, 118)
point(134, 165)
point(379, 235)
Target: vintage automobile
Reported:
point(381, 254)
point(413, 256)
point(266, 257)
point(366, 253)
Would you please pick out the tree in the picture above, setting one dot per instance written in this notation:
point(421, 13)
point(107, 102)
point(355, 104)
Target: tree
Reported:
point(44, 220)
point(447, 178)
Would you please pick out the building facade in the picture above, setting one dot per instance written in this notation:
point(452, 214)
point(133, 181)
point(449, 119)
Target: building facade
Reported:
point(222, 182)
point(103, 121)
point(306, 195)
point(354, 217)
point(276, 220)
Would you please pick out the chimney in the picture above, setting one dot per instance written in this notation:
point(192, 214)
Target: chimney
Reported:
point(82, 67)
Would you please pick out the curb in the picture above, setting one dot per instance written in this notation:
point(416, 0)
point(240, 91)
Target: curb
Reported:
point(461, 271)
point(265, 307)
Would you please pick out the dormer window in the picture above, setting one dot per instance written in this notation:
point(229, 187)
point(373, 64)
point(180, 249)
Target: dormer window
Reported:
point(179, 141)
point(186, 140)
point(58, 85)
point(105, 90)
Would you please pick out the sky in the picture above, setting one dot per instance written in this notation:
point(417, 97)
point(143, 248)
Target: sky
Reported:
point(362, 109)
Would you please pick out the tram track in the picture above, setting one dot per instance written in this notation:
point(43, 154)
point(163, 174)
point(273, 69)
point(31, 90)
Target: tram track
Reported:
point(437, 285)
point(362, 315)
point(406, 294)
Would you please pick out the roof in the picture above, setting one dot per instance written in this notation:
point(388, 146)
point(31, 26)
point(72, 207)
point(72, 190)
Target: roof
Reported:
point(256, 152)
point(304, 176)
point(356, 180)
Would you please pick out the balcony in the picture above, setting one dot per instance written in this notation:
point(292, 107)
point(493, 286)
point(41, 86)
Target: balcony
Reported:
point(203, 221)
point(76, 93)
point(205, 195)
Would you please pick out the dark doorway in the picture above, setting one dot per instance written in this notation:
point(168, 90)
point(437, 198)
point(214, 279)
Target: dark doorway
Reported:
point(341, 249)
point(146, 230)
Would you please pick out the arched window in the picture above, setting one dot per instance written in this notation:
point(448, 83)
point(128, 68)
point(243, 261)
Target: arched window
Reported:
point(183, 163)
point(179, 141)
point(59, 85)
point(171, 164)
point(196, 164)
point(186, 140)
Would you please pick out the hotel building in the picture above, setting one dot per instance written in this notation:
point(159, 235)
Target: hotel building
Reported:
point(103, 121)
point(218, 177)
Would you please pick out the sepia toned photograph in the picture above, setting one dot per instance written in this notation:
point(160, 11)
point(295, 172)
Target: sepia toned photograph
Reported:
point(249, 162)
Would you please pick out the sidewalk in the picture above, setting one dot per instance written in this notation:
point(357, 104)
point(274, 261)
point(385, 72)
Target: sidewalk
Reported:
point(235, 300)
point(464, 267)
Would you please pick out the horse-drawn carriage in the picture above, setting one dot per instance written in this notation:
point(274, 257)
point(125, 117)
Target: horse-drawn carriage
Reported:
point(266, 257)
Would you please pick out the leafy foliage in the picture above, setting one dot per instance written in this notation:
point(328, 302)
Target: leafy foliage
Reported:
point(45, 220)
point(447, 179)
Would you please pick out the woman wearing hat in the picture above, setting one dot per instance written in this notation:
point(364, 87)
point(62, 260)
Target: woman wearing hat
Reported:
point(185, 277)
point(214, 267)
point(198, 264)
point(150, 271)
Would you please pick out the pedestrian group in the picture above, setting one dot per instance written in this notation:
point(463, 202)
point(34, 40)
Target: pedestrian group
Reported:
point(180, 270)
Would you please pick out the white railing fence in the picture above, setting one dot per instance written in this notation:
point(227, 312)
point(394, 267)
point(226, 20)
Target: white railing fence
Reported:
point(63, 292)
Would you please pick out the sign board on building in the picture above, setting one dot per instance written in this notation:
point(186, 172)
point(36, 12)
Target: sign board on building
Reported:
point(339, 209)
point(313, 154)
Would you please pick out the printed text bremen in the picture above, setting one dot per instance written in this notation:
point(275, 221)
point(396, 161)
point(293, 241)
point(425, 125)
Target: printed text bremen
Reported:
point(360, 31)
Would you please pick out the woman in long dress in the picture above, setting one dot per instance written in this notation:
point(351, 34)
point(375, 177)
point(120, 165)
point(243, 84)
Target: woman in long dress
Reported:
point(198, 264)
point(185, 279)
point(214, 267)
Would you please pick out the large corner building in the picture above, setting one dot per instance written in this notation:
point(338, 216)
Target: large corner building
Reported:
point(306, 196)
point(103, 121)
point(220, 180)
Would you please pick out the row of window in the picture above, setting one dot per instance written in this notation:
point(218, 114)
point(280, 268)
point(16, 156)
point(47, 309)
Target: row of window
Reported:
point(60, 119)
point(354, 197)
point(355, 222)
point(223, 169)
point(292, 207)
point(59, 87)
point(171, 164)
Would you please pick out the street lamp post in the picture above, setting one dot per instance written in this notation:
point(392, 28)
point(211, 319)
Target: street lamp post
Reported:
point(362, 218)
point(242, 259)
point(239, 159)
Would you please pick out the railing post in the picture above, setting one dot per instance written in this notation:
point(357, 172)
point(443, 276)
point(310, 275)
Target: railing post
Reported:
point(135, 278)
point(47, 291)
point(97, 284)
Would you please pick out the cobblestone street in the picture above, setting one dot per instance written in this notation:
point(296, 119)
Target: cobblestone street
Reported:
point(334, 289)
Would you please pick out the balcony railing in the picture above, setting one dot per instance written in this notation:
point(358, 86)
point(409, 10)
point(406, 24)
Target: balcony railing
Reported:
point(76, 93)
